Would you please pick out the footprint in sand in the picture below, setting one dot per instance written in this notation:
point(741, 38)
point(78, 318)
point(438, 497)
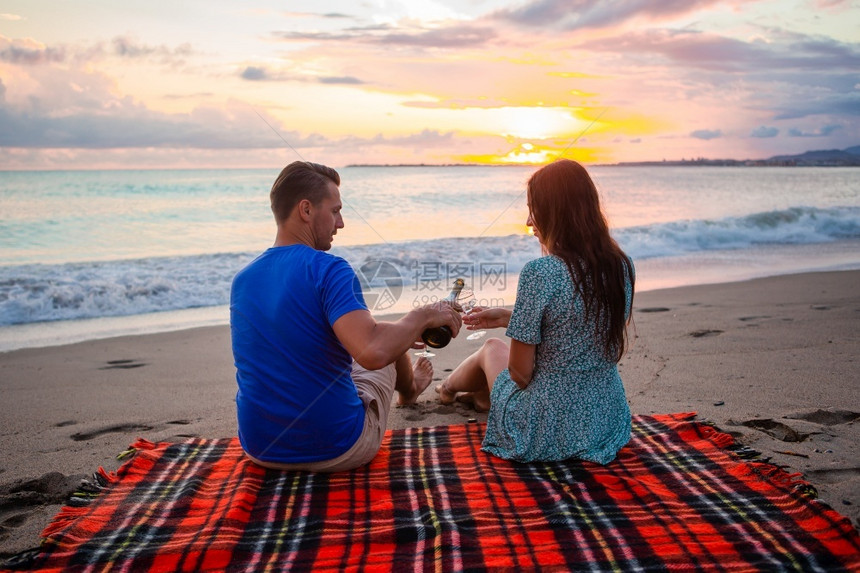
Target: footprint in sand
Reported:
point(654, 309)
point(123, 364)
point(131, 427)
point(837, 475)
point(826, 417)
point(182, 423)
point(418, 412)
point(773, 428)
point(414, 413)
point(83, 436)
point(443, 409)
point(704, 332)
point(19, 497)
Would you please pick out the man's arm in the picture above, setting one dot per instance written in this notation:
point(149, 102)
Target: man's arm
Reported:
point(375, 345)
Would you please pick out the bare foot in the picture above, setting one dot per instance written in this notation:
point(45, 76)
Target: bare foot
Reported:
point(480, 401)
point(422, 372)
point(445, 396)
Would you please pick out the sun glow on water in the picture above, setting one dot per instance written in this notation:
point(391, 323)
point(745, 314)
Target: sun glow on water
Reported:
point(528, 154)
point(539, 153)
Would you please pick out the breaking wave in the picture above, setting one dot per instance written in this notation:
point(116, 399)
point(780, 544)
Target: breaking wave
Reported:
point(40, 293)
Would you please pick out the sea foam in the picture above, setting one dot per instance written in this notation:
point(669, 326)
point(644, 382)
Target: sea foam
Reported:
point(39, 293)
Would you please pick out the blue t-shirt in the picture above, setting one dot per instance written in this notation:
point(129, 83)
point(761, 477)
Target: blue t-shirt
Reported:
point(296, 400)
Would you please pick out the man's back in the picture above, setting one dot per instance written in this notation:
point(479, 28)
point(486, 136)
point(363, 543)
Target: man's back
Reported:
point(296, 401)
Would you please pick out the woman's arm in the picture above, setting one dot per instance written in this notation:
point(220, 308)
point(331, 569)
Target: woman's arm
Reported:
point(521, 363)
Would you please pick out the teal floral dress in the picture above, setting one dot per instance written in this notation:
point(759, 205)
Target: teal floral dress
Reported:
point(575, 406)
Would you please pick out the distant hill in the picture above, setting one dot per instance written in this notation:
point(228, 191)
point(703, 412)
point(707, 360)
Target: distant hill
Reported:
point(849, 157)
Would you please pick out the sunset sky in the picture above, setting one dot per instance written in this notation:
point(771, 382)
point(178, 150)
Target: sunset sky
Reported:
point(192, 83)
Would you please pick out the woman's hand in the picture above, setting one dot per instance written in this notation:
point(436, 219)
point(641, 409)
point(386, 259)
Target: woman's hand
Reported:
point(481, 318)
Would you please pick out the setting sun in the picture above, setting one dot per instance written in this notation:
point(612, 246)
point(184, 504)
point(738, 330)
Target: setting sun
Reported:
point(535, 122)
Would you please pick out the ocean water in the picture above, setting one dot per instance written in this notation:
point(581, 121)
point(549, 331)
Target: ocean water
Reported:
point(88, 254)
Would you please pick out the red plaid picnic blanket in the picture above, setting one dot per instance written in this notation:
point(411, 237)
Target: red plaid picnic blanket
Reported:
point(676, 498)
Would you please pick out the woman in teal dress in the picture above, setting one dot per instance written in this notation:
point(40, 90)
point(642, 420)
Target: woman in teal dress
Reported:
point(556, 392)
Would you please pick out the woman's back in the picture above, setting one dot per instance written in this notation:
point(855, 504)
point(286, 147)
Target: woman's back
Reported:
point(575, 405)
point(568, 336)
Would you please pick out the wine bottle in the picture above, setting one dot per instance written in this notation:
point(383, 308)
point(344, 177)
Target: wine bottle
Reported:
point(440, 336)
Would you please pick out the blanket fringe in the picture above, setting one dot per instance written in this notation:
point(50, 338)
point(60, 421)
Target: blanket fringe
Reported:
point(79, 502)
point(778, 475)
point(744, 452)
point(721, 439)
point(139, 444)
point(89, 489)
point(66, 515)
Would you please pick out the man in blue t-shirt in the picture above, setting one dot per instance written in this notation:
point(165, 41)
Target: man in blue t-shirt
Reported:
point(316, 372)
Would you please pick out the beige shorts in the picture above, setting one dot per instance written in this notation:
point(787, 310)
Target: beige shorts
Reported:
point(375, 388)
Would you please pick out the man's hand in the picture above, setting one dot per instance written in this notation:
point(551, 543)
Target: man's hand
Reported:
point(445, 313)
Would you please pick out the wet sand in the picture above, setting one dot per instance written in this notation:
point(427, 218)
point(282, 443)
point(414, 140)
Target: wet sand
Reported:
point(772, 361)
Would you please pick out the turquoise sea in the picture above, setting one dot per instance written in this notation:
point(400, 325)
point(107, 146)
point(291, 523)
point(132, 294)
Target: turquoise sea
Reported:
point(89, 254)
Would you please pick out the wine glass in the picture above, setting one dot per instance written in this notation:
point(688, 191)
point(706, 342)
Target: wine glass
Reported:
point(468, 302)
point(425, 353)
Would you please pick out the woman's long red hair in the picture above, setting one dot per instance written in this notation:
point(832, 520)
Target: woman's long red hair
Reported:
point(565, 209)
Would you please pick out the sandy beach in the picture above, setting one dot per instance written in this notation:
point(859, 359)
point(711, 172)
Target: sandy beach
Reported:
point(772, 361)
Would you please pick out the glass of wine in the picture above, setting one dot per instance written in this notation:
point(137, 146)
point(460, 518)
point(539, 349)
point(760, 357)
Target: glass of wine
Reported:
point(468, 302)
point(425, 352)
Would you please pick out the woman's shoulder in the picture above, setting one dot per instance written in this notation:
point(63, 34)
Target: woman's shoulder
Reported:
point(548, 268)
point(548, 264)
